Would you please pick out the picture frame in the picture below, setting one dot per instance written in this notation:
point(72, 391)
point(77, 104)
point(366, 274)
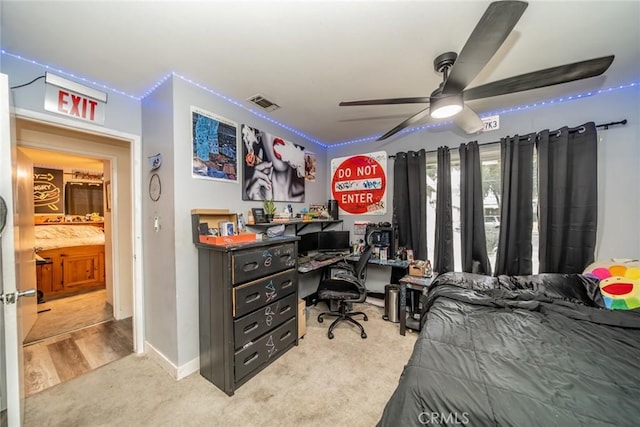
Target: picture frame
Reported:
point(273, 167)
point(259, 217)
point(214, 141)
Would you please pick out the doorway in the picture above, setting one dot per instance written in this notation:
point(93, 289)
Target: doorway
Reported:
point(112, 336)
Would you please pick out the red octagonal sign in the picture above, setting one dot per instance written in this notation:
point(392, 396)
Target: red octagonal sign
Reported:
point(359, 185)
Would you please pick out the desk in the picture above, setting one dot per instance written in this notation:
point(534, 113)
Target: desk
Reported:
point(299, 224)
point(415, 283)
point(388, 262)
point(313, 264)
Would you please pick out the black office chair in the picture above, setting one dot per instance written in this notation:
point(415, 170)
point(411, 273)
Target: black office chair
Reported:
point(343, 284)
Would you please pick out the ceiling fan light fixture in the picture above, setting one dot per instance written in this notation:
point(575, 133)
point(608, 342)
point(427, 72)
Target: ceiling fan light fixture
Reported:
point(448, 106)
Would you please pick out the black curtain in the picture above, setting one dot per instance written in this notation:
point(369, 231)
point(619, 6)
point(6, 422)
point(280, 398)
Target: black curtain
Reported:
point(474, 241)
point(443, 253)
point(568, 198)
point(516, 208)
point(81, 198)
point(410, 201)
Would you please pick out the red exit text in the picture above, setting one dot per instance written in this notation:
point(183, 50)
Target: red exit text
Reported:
point(76, 105)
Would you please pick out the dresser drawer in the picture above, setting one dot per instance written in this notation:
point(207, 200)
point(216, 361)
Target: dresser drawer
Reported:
point(255, 355)
point(253, 325)
point(254, 263)
point(253, 295)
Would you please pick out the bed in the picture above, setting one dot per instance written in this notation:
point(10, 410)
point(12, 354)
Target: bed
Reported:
point(71, 258)
point(519, 351)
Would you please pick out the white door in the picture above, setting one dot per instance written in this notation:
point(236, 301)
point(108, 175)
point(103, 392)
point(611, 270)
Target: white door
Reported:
point(11, 303)
point(24, 240)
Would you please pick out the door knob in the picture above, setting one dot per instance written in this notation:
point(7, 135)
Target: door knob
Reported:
point(11, 298)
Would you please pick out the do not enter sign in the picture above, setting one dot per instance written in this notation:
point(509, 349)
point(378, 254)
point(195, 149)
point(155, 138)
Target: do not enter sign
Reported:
point(359, 183)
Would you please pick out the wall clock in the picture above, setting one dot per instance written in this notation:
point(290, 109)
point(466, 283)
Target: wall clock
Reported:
point(155, 188)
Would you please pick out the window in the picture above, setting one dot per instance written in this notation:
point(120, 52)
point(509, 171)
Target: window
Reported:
point(81, 198)
point(491, 188)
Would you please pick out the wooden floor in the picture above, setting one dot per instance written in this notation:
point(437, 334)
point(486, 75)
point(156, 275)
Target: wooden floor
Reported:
point(63, 357)
point(68, 314)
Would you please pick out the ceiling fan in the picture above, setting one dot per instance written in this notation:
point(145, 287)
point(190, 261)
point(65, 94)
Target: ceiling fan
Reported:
point(448, 100)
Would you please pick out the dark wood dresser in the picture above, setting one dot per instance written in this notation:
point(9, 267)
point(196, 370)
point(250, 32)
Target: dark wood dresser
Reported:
point(248, 298)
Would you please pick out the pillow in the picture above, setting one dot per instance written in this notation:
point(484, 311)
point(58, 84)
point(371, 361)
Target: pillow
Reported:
point(577, 288)
point(619, 282)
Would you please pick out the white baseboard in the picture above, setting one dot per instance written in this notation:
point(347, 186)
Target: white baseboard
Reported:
point(189, 368)
point(177, 372)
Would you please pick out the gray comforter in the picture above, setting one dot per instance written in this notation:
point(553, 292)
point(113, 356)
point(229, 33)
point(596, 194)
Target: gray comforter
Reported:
point(520, 351)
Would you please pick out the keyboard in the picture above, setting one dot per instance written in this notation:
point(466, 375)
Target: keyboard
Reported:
point(323, 257)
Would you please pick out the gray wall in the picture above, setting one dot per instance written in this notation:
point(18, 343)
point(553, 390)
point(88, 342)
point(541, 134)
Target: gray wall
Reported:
point(192, 193)
point(161, 316)
point(619, 159)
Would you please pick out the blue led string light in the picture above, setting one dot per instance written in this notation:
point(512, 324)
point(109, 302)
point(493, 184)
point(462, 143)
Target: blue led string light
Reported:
point(252, 111)
point(504, 111)
point(298, 132)
point(65, 73)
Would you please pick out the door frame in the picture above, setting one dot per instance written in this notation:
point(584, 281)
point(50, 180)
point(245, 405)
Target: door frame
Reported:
point(136, 156)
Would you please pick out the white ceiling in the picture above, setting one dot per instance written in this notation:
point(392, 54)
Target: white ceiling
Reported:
point(307, 56)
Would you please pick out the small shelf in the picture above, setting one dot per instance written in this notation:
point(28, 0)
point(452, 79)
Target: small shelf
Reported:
point(299, 224)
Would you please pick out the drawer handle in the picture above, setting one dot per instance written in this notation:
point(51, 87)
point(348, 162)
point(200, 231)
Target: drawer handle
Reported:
point(285, 309)
point(252, 298)
point(286, 284)
point(250, 359)
point(285, 257)
point(250, 266)
point(251, 327)
point(285, 335)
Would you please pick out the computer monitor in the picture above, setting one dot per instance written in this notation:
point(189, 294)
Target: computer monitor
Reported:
point(334, 241)
point(308, 243)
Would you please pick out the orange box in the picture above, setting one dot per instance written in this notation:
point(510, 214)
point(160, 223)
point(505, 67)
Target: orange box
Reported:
point(228, 240)
point(416, 269)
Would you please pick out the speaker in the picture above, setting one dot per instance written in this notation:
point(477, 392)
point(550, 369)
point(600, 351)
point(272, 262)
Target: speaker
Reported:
point(333, 208)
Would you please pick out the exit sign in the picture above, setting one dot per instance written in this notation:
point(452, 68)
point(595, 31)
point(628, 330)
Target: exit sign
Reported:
point(491, 123)
point(74, 100)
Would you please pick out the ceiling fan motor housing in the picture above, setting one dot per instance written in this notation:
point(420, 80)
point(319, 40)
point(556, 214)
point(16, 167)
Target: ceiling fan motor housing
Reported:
point(443, 62)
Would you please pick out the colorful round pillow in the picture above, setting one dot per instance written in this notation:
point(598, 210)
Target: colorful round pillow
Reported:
point(619, 282)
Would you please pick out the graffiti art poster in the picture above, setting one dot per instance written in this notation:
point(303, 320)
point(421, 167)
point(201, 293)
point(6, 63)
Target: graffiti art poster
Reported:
point(273, 167)
point(214, 140)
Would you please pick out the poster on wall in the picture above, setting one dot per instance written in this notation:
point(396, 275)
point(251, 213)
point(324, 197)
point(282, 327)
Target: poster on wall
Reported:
point(273, 168)
point(47, 191)
point(214, 139)
point(310, 167)
point(359, 183)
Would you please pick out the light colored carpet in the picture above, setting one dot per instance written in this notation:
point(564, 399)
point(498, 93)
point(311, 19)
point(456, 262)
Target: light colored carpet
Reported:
point(341, 382)
point(70, 314)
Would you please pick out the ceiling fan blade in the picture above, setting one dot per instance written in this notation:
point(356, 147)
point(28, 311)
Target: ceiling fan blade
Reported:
point(485, 40)
point(417, 100)
point(411, 120)
point(541, 78)
point(468, 120)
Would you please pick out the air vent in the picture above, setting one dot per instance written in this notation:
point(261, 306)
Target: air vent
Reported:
point(263, 103)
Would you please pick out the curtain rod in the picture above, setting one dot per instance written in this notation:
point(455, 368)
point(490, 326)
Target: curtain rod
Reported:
point(604, 125)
